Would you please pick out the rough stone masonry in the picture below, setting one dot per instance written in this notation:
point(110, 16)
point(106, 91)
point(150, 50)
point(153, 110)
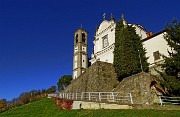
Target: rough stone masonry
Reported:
point(101, 77)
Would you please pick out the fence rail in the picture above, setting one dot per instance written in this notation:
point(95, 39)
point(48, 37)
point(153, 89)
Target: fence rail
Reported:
point(169, 100)
point(117, 97)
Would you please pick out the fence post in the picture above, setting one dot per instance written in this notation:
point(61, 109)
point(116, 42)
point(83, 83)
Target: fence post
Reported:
point(113, 96)
point(89, 96)
point(160, 100)
point(99, 96)
point(76, 96)
point(131, 98)
point(82, 96)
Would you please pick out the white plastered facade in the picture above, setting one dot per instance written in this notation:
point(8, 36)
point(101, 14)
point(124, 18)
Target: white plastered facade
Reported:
point(154, 44)
point(103, 51)
point(105, 54)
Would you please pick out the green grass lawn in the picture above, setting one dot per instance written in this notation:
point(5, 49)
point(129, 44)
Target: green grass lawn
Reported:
point(47, 108)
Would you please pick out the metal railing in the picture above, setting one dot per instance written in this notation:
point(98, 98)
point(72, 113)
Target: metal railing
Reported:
point(165, 100)
point(116, 97)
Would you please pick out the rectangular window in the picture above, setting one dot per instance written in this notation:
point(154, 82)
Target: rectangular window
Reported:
point(105, 41)
point(156, 55)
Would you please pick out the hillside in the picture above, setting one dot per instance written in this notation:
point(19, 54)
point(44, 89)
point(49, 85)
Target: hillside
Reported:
point(47, 108)
point(44, 107)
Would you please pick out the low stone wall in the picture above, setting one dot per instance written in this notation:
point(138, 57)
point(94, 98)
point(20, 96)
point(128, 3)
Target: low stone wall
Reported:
point(95, 105)
point(156, 107)
point(65, 104)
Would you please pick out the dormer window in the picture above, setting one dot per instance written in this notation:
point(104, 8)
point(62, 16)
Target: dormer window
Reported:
point(83, 37)
point(105, 41)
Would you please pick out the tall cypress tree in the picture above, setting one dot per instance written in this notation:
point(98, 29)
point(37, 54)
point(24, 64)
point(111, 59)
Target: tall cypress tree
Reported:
point(171, 66)
point(129, 54)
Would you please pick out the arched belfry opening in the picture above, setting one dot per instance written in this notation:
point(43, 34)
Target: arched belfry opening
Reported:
point(76, 38)
point(83, 38)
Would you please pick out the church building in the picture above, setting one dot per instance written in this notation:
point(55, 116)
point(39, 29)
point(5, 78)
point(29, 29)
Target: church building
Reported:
point(104, 43)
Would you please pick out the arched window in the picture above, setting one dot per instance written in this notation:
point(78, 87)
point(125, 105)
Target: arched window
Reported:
point(83, 37)
point(105, 41)
point(76, 38)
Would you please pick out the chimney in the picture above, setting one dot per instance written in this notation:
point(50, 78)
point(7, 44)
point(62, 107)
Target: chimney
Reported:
point(149, 34)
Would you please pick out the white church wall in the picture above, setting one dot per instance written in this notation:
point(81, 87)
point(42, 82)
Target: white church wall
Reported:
point(74, 74)
point(105, 28)
point(96, 45)
point(84, 61)
point(154, 44)
point(75, 64)
point(107, 57)
point(140, 31)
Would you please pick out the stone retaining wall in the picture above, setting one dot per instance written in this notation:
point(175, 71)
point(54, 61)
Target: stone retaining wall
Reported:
point(101, 77)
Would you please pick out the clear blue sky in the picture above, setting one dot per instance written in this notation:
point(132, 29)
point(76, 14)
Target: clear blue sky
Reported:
point(36, 36)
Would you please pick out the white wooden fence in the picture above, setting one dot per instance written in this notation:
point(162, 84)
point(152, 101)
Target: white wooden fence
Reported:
point(117, 97)
point(169, 100)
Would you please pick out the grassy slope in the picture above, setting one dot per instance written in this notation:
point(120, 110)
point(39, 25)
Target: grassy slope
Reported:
point(46, 108)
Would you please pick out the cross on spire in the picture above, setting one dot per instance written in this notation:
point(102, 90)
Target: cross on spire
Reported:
point(122, 16)
point(112, 17)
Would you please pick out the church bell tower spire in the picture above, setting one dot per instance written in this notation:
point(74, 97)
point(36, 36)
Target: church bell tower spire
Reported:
point(80, 59)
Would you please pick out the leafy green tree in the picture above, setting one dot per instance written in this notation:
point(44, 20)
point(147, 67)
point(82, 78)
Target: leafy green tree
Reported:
point(24, 97)
point(52, 89)
point(3, 104)
point(129, 54)
point(171, 66)
point(64, 81)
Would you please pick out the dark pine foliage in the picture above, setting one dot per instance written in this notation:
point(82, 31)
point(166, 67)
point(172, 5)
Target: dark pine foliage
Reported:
point(171, 66)
point(129, 52)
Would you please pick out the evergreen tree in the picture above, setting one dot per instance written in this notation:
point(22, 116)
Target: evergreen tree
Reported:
point(171, 66)
point(129, 54)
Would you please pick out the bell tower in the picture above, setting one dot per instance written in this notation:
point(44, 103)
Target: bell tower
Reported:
point(80, 58)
